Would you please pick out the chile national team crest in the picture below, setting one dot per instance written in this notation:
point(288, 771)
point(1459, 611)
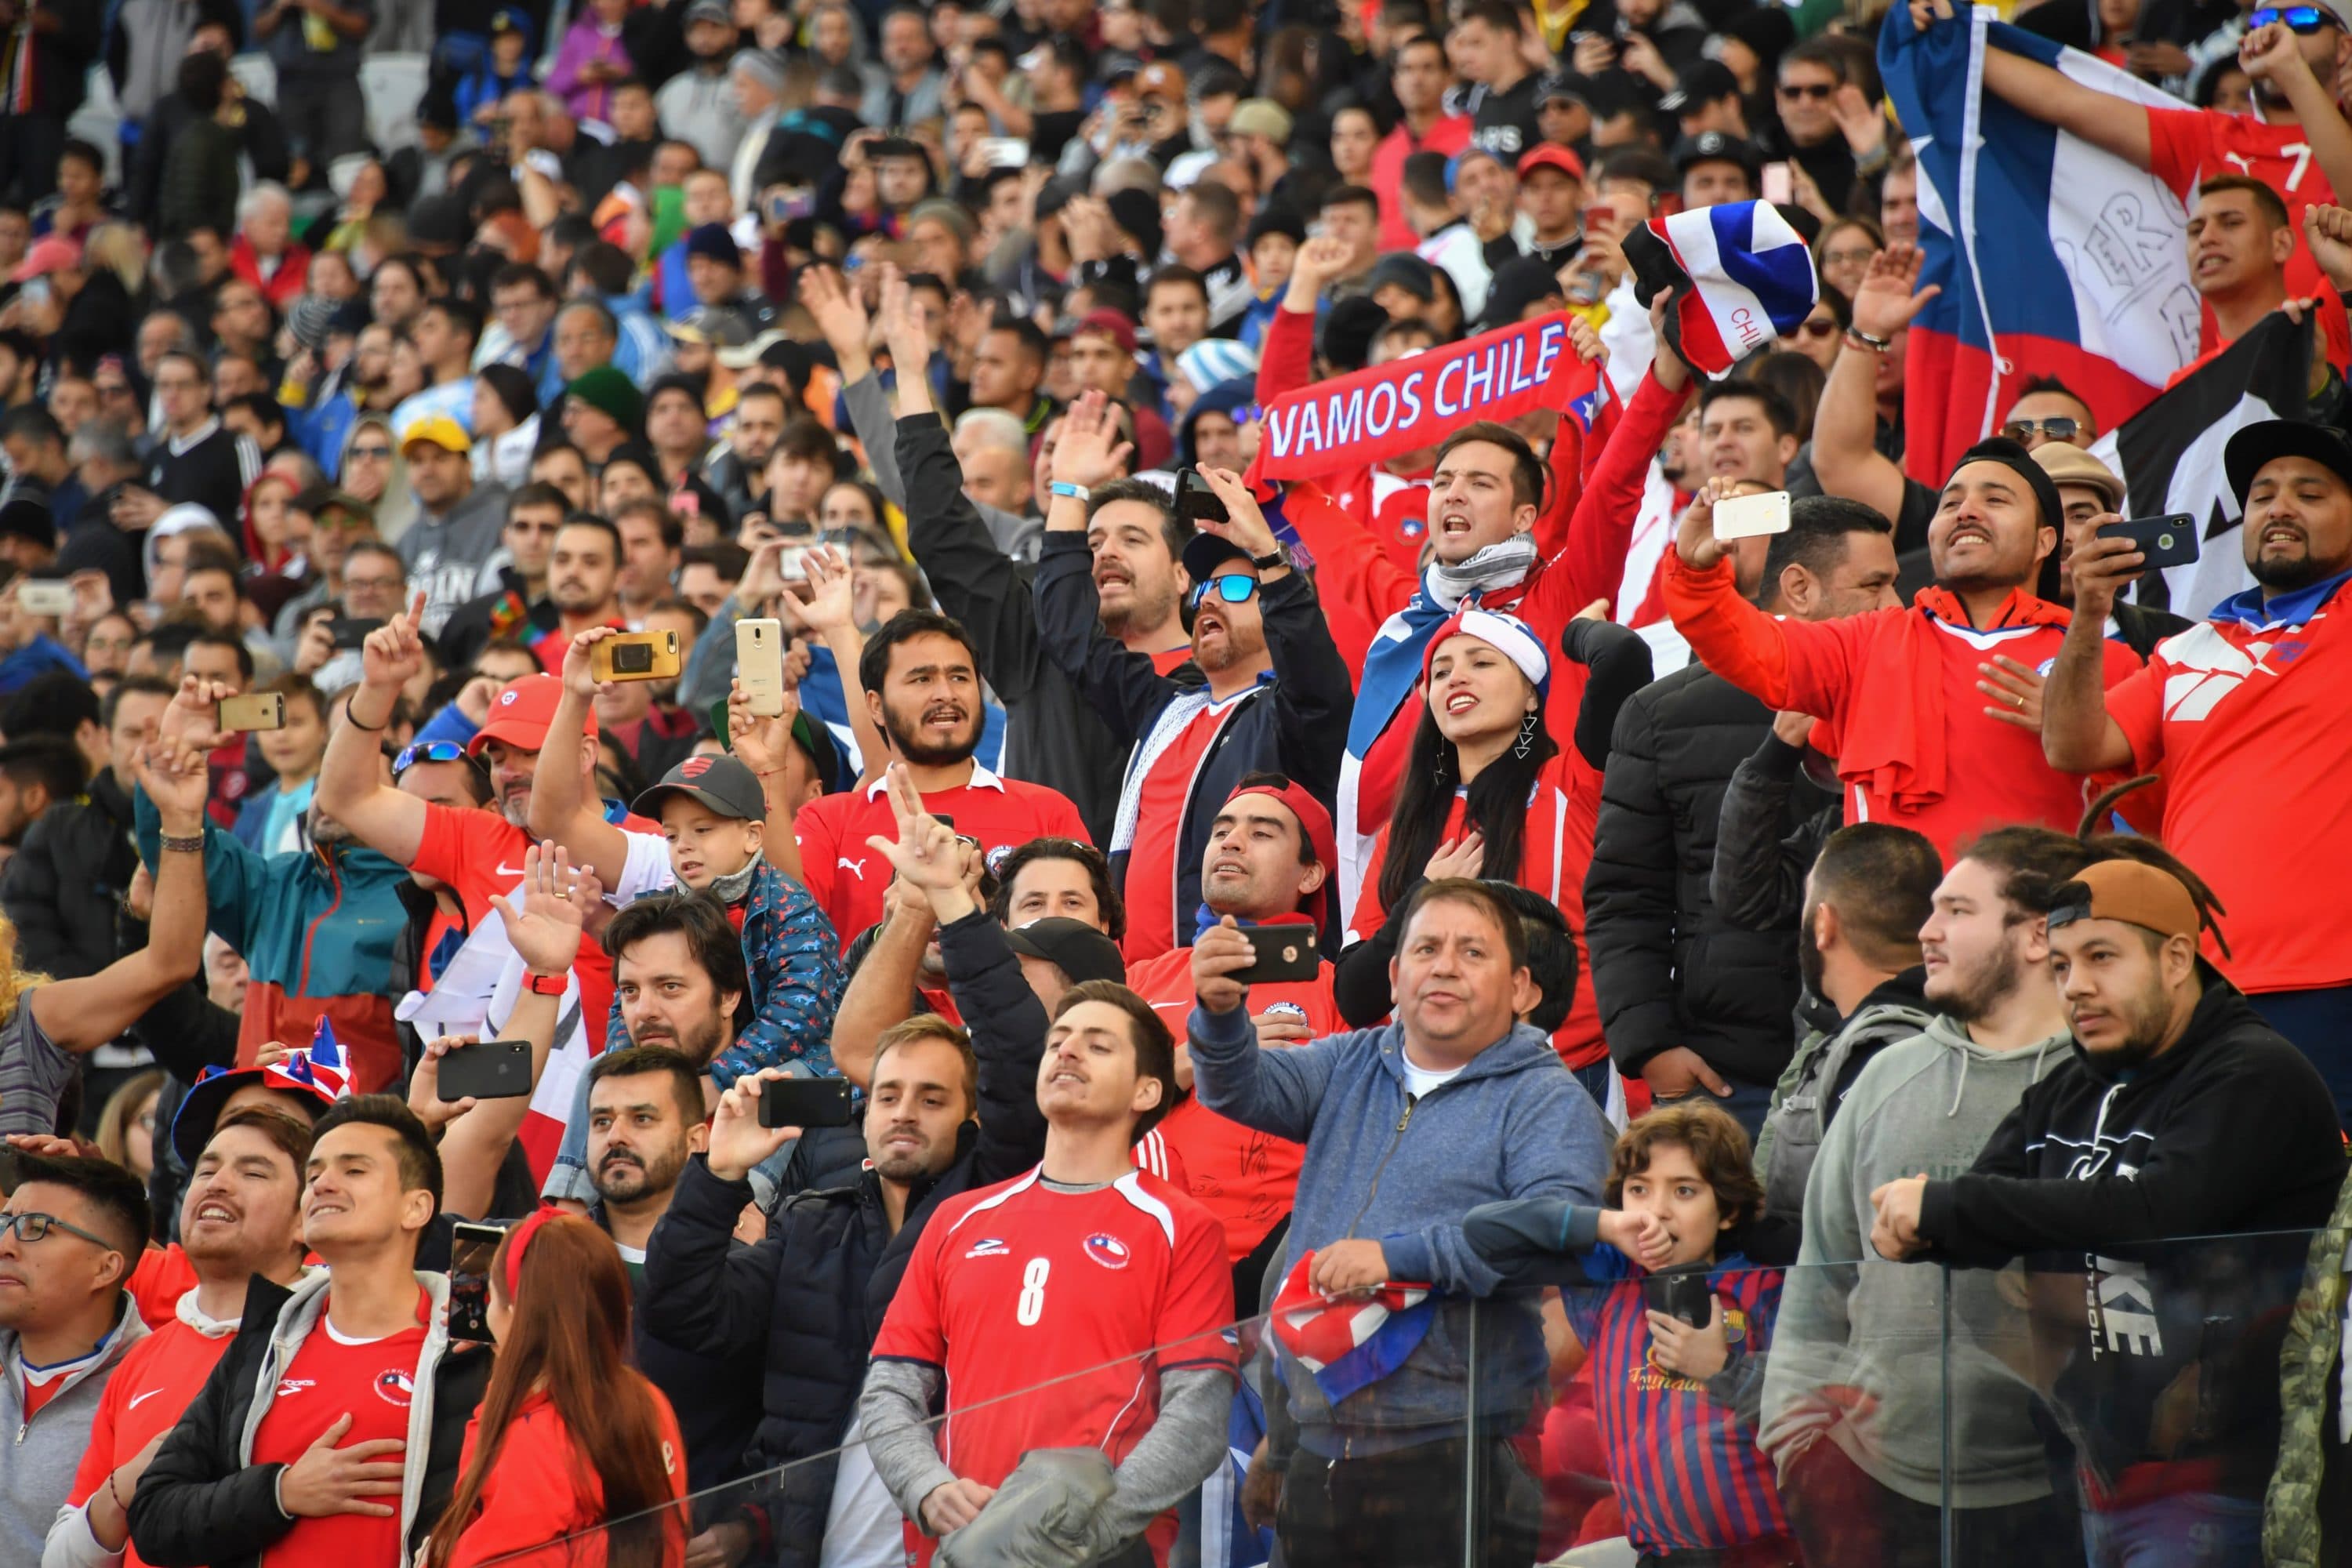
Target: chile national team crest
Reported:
point(1107, 1250)
point(395, 1387)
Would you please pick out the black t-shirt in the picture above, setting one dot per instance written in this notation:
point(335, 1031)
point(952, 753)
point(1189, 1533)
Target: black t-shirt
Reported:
point(1506, 122)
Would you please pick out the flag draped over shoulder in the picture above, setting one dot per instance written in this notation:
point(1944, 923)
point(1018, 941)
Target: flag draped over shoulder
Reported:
point(2056, 258)
point(2171, 455)
point(1739, 277)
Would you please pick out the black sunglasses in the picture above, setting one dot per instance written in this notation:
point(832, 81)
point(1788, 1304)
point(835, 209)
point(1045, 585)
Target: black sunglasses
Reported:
point(2059, 429)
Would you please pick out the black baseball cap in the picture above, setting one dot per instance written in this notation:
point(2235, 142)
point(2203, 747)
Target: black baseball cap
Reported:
point(1702, 82)
point(2256, 445)
point(1711, 146)
point(1205, 554)
point(723, 784)
point(1074, 947)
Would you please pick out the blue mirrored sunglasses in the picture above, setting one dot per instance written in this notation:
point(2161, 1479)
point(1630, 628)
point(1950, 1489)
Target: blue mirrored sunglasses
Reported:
point(427, 752)
point(1233, 587)
point(2298, 18)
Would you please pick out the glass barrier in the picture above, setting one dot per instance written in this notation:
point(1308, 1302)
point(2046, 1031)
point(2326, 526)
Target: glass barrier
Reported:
point(2074, 1411)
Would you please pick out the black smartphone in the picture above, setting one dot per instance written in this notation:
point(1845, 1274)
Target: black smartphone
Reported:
point(1195, 502)
point(495, 1069)
point(806, 1103)
point(471, 1248)
point(349, 631)
point(1284, 952)
point(1682, 1293)
point(2167, 540)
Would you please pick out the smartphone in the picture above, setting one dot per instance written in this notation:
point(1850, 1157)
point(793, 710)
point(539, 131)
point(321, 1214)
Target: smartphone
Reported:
point(1746, 517)
point(1195, 502)
point(471, 1248)
point(1681, 1293)
point(495, 1069)
point(348, 631)
point(759, 664)
point(1284, 952)
point(45, 596)
point(2167, 540)
point(792, 563)
point(254, 711)
point(805, 1103)
point(1779, 185)
point(1005, 151)
point(636, 655)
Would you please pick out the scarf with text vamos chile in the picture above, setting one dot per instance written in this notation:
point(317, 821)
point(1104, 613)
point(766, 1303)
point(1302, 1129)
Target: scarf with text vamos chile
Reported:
point(1739, 277)
point(1412, 404)
point(2056, 257)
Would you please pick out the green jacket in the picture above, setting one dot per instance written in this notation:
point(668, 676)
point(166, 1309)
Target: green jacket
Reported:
point(2315, 1337)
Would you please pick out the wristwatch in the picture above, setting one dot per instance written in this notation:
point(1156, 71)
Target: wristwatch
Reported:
point(545, 985)
point(1273, 558)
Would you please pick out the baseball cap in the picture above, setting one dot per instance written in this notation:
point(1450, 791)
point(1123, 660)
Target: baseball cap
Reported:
point(1162, 77)
point(1206, 554)
point(714, 324)
point(48, 254)
point(1260, 117)
point(1714, 145)
point(1407, 271)
point(1074, 947)
point(315, 501)
point(1322, 840)
point(2067, 464)
point(2132, 891)
point(709, 11)
point(1110, 323)
point(509, 20)
point(439, 430)
point(1557, 87)
point(2256, 445)
point(723, 784)
point(1702, 82)
point(1551, 156)
point(743, 356)
point(519, 715)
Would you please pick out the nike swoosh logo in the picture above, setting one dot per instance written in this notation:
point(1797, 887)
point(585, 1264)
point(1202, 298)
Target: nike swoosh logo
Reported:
point(1156, 1006)
point(149, 1395)
point(506, 870)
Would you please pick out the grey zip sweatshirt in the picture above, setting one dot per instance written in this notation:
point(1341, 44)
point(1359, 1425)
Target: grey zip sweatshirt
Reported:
point(1923, 1105)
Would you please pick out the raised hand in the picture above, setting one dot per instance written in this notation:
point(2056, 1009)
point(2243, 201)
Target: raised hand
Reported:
point(902, 328)
point(763, 576)
point(580, 660)
point(1088, 451)
point(2269, 54)
point(1245, 523)
point(925, 854)
point(1890, 295)
point(1862, 122)
point(425, 1083)
point(193, 715)
point(1320, 261)
point(738, 1142)
point(544, 922)
point(2329, 231)
point(840, 313)
point(2101, 569)
point(759, 742)
point(829, 610)
point(394, 652)
point(178, 780)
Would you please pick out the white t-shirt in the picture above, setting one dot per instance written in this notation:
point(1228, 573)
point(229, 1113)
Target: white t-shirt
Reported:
point(1420, 1080)
point(645, 870)
point(863, 1527)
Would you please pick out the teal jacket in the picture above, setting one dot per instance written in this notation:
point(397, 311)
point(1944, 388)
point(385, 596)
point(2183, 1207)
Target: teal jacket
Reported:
point(316, 931)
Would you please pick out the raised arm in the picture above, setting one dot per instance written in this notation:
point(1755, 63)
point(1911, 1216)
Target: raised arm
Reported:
point(85, 1014)
point(352, 787)
point(545, 931)
point(1287, 358)
point(1846, 458)
point(562, 810)
point(763, 745)
point(828, 614)
point(1796, 665)
point(2270, 54)
point(2031, 87)
point(2078, 734)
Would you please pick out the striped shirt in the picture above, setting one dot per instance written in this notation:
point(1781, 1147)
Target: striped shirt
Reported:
point(1685, 1465)
point(34, 1072)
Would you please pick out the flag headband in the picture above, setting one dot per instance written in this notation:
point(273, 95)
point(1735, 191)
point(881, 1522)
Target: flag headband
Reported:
point(1511, 636)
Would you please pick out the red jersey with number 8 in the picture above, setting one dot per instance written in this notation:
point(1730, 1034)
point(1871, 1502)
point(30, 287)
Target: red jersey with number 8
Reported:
point(1093, 1295)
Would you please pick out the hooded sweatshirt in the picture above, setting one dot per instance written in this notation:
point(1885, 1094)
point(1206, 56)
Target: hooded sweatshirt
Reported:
point(1927, 1104)
point(45, 1447)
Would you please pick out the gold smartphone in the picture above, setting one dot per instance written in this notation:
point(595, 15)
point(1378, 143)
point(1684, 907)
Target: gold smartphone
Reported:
point(636, 655)
point(254, 711)
point(759, 664)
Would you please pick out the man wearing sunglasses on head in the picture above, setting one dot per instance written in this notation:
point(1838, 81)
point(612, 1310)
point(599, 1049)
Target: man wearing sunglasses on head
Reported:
point(1265, 691)
point(2295, 142)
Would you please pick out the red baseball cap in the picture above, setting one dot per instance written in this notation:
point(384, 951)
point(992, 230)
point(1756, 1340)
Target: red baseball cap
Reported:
point(48, 254)
point(1315, 821)
point(1110, 323)
point(1551, 156)
point(520, 714)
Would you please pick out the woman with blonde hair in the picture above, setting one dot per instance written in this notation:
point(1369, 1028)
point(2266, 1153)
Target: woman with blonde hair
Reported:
point(126, 1128)
point(569, 1435)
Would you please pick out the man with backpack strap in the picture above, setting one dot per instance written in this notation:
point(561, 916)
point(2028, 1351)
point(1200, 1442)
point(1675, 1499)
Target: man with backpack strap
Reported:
point(1867, 897)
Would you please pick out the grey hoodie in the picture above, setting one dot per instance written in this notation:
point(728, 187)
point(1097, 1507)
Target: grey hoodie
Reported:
point(39, 1468)
point(1926, 1104)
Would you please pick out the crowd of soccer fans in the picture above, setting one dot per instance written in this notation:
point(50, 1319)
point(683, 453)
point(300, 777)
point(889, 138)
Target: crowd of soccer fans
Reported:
point(695, 858)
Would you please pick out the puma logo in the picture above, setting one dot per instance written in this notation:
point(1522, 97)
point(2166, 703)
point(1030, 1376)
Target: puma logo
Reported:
point(857, 866)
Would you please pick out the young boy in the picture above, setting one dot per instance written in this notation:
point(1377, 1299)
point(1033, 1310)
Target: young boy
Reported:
point(1676, 1400)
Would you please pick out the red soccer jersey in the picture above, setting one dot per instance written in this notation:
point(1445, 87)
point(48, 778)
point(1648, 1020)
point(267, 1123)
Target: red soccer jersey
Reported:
point(2247, 726)
point(847, 878)
point(539, 1491)
point(154, 1384)
point(1095, 1293)
point(1246, 1178)
point(1449, 135)
point(2190, 146)
point(373, 1382)
point(162, 1277)
point(1152, 917)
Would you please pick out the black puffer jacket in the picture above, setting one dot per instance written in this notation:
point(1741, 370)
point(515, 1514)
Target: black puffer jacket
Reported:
point(1665, 969)
point(63, 886)
point(203, 1505)
point(807, 1302)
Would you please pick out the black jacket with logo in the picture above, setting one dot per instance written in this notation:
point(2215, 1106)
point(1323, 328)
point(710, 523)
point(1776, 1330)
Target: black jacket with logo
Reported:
point(2186, 1190)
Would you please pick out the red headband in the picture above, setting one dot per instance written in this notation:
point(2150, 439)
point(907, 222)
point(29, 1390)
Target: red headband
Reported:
point(519, 1238)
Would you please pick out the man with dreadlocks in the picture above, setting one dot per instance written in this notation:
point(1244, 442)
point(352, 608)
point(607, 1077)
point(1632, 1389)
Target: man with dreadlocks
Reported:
point(2180, 1113)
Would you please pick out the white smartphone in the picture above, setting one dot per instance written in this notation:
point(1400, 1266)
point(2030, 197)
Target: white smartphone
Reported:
point(45, 596)
point(759, 664)
point(1745, 517)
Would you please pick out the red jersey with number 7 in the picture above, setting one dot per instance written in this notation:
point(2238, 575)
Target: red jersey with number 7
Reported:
point(1093, 1295)
point(2189, 146)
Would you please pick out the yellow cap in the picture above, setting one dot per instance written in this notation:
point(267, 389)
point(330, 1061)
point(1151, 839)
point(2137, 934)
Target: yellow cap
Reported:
point(441, 431)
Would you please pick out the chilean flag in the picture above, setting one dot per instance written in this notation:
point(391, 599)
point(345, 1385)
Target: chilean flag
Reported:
point(1349, 1342)
point(2056, 258)
point(1739, 275)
